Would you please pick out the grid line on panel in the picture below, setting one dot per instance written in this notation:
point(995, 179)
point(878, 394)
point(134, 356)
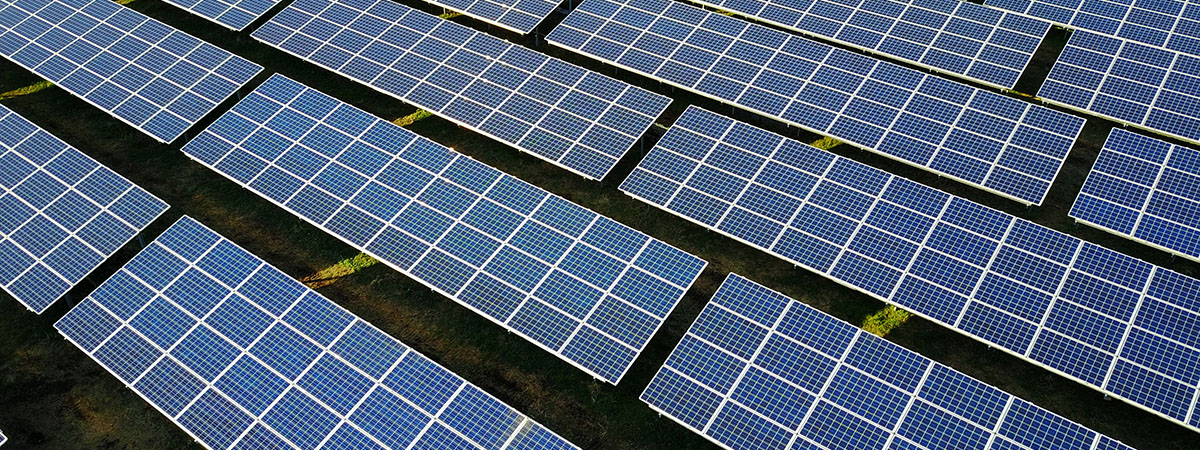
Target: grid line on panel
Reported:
point(235, 15)
point(916, 32)
point(1064, 304)
point(858, 375)
point(1128, 82)
point(63, 213)
point(309, 375)
point(158, 80)
point(1003, 145)
point(1169, 24)
point(569, 116)
point(1143, 189)
point(576, 283)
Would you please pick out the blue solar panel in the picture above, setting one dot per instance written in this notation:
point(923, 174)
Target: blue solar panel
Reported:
point(239, 355)
point(1147, 190)
point(3, 438)
point(572, 117)
point(61, 213)
point(1128, 82)
point(141, 71)
point(760, 370)
point(521, 16)
point(578, 284)
point(1104, 319)
point(960, 38)
point(1171, 24)
point(1000, 144)
point(232, 14)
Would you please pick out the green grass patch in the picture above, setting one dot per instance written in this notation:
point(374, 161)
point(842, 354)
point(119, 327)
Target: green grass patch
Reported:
point(411, 118)
point(826, 143)
point(26, 90)
point(885, 320)
point(450, 15)
point(339, 270)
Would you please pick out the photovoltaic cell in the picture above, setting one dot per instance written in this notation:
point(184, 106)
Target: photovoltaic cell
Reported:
point(61, 213)
point(1000, 144)
point(1169, 24)
point(760, 370)
point(578, 284)
point(232, 14)
point(1145, 189)
point(976, 42)
point(1106, 320)
point(239, 355)
point(141, 71)
point(521, 16)
point(1129, 82)
point(572, 117)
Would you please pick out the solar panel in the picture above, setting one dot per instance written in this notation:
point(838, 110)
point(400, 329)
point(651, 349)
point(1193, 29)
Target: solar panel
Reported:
point(521, 16)
point(972, 41)
point(578, 284)
point(3, 438)
point(1128, 82)
point(1170, 24)
point(239, 355)
point(1111, 322)
point(1000, 144)
point(1144, 189)
point(760, 370)
point(61, 213)
point(141, 71)
point(572, 117)
point(232, 14)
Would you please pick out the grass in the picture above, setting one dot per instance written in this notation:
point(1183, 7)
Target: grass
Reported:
point(55, 397)
point(412, 118)
point(33, 88)
point(338, 271)
point(885, 320)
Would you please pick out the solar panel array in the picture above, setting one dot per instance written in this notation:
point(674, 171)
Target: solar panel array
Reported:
point(998, 143)
point(1109, 321)
point(577, 119)
point(1172, 24)
point(580, 285)
point(760, 370)
point(239, 355)
point(521, 16)
point(141, 71)
point(962, 38)
point(232, 14)
point(1128, 82)
point(61, 213)
point(1145, 189)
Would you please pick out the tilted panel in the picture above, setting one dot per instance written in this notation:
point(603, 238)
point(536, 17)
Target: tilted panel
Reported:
point(232, 14)
point(570, 116)
point(1111, 322)
point(1128, 82)
point(759, 370)
point(141, 71)
point(956, 37)
point(1000, 144)
point(1170, 24)
point(1147, 190)
point(61, 213)
point(521, 16)
point(239, 355)
point(580, 285)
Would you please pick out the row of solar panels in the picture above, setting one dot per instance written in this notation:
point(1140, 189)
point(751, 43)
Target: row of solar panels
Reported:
point(239, 355)
point(148, 75)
